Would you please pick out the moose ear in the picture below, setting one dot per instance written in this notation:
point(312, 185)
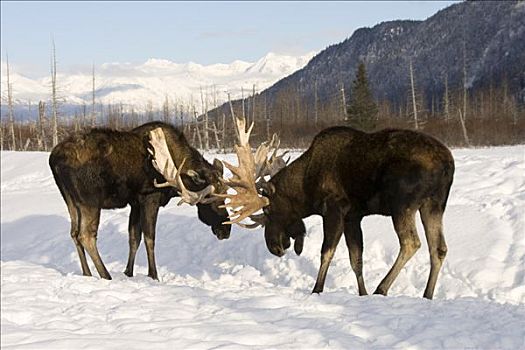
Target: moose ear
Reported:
point(195, 177)
point(217, 164)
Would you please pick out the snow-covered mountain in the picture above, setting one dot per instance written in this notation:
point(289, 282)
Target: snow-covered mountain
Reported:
point(150, 82)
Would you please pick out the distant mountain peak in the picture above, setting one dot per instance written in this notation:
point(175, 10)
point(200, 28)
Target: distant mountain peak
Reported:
point(151, 81)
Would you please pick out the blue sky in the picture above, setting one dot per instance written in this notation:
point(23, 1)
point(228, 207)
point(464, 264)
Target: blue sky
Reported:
point(202, 32)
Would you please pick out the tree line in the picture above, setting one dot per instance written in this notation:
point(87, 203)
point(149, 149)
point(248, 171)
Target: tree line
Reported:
point(460, 117)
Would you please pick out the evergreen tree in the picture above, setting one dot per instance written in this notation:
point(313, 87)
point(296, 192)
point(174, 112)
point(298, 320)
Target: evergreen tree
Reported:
point(362, 109)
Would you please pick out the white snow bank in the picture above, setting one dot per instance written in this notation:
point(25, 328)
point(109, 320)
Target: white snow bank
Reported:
point(234, 294)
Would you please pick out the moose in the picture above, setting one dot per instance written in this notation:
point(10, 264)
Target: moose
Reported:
point(345, 175)
point(107, 169)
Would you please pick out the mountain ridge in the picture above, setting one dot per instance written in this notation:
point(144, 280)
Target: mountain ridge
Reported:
point(150, 82)
point(490, 35)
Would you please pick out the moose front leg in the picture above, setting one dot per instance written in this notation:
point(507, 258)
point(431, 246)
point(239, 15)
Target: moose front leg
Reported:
point(332, 229)
point(135, 233)
point(148, 220)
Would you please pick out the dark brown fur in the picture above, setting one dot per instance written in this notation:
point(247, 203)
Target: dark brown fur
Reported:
point(106, 169)
point(346, 175)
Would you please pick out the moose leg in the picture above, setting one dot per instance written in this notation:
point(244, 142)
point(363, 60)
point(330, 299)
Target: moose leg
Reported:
point(333, 229)
point(405, 226)
point(432, 218)
point(135, 235)
point(89, 219)
point(75, 231)
point(354, 242)
point(148, 220)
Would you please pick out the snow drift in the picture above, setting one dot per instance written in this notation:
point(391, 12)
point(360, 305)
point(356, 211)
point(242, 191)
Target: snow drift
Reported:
point(234, 294)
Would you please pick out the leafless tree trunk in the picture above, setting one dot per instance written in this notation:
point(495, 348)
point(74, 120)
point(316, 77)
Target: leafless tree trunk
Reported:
point(464, 80)
point(166, 110)
point(1, 136)
point(182, 117)
point(10, 108)
point(77, 122)
point(223, 133)
point(93, 110)
point(41, 126)
point(413, 88)
point(197, 130)
point(204, 107)
point(216, 136)
point(54, 98)
point(26, 145)
point(446, 101)
point(149, 111)
point(121, 115)
point(343, 101)
point(464, 128)
point(316, 104)
point(20, 142)
point(267, 117)
point(253, 103)
point(242, 97)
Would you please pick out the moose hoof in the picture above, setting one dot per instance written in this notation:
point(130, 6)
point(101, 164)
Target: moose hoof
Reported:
point(317, 290)
point(379, 291)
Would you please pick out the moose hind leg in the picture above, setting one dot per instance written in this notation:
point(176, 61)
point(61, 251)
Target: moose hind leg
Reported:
point(333, 229)
point(432, 218)
point(405, 226)
point(89, 220)
point(75, 231)
point(74, 213)
point(135, 234)
point(354, 242)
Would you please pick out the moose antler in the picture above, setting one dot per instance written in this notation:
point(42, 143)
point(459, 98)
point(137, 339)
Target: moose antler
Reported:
point(249, 176)
point(247, 200)
point(161, 155)
point(269, 166)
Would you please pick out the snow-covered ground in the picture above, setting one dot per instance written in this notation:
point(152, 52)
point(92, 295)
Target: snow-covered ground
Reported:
point(234, 294)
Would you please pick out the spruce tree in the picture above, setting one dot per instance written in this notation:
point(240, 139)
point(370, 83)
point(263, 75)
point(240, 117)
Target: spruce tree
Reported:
point(362, 110)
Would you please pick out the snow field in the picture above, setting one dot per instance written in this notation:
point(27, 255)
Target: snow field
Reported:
point(234, 294)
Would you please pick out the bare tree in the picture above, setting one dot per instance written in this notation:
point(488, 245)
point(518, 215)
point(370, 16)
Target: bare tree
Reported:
point(197, 130)
point(464, 128)
point(413, 89)
point(343, 102)
point(223, 133)
point(10, 107)
point(93, 110)
point(267, 117)
point(446, 100)
point(1, 136)
point(54, 98)
point(253, 103)
point(166, 110)
point(41, 119)
point(464, 80)
point(204, 108)
point(316, 104)
point(84, 115)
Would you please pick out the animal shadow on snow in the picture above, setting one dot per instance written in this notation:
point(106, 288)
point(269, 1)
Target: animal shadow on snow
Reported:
point(184, 245)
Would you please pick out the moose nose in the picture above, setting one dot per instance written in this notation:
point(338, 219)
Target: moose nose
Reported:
point(221, 231)
point(276, 250)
